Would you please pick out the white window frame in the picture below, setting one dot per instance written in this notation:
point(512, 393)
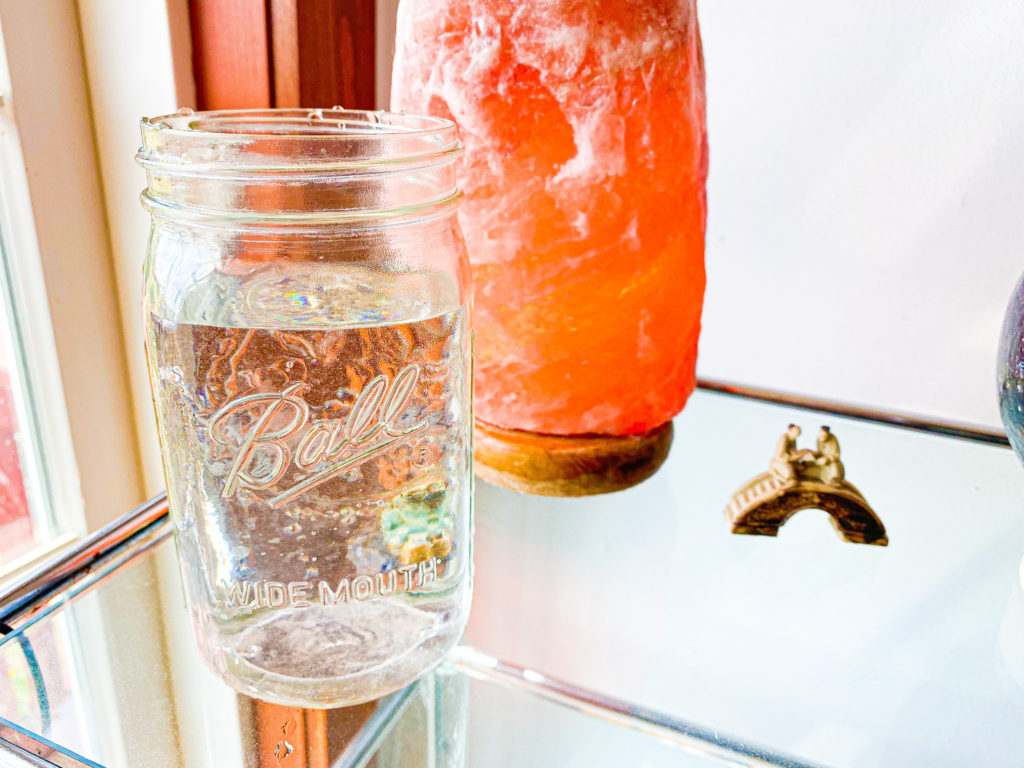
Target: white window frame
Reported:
point(98, 66)
point(46, 453)
point(61, 270)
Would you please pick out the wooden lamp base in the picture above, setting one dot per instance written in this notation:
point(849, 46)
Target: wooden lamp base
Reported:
point(567, 465)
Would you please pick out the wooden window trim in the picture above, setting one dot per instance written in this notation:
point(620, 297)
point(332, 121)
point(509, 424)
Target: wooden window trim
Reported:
point(284, 53)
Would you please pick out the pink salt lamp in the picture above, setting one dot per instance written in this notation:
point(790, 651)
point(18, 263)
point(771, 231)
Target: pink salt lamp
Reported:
point(584, 170)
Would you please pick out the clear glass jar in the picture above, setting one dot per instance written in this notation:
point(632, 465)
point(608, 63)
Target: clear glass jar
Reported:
point(307, 305)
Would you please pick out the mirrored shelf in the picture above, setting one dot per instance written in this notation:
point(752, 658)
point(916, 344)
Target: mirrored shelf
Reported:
point(106, 675)
point(624, 629)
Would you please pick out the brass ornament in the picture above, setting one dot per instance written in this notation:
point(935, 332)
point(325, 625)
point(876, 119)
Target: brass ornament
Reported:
point(804, 479)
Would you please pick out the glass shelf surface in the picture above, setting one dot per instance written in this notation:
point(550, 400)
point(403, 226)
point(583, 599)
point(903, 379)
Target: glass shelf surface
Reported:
point(631, 629)
point(841, 654)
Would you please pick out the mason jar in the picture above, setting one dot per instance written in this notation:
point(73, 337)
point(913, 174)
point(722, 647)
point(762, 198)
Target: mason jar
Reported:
point(307, 306)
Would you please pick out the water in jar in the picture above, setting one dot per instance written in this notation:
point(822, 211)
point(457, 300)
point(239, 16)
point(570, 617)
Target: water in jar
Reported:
point(315, 426)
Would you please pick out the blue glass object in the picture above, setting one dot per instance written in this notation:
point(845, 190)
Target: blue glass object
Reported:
point(1010, 373)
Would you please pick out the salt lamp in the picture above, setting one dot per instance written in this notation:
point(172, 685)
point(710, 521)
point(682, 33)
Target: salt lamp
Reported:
point(584, 169)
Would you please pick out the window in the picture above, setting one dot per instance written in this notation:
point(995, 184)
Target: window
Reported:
point(68, 461)
point(40, 500)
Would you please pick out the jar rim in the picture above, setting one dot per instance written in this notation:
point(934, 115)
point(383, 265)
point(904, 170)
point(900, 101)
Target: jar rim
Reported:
point(303, 140)
point(305, 123)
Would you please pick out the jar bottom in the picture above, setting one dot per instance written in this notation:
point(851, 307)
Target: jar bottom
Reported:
point(323, 657)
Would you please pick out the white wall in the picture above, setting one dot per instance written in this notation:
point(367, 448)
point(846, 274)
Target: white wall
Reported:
point(865, 197)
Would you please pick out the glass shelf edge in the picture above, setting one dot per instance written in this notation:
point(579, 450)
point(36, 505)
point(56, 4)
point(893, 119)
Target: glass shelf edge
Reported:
point(685, 735)
point(954, 429)
point(122, 537)
point(19, 747)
